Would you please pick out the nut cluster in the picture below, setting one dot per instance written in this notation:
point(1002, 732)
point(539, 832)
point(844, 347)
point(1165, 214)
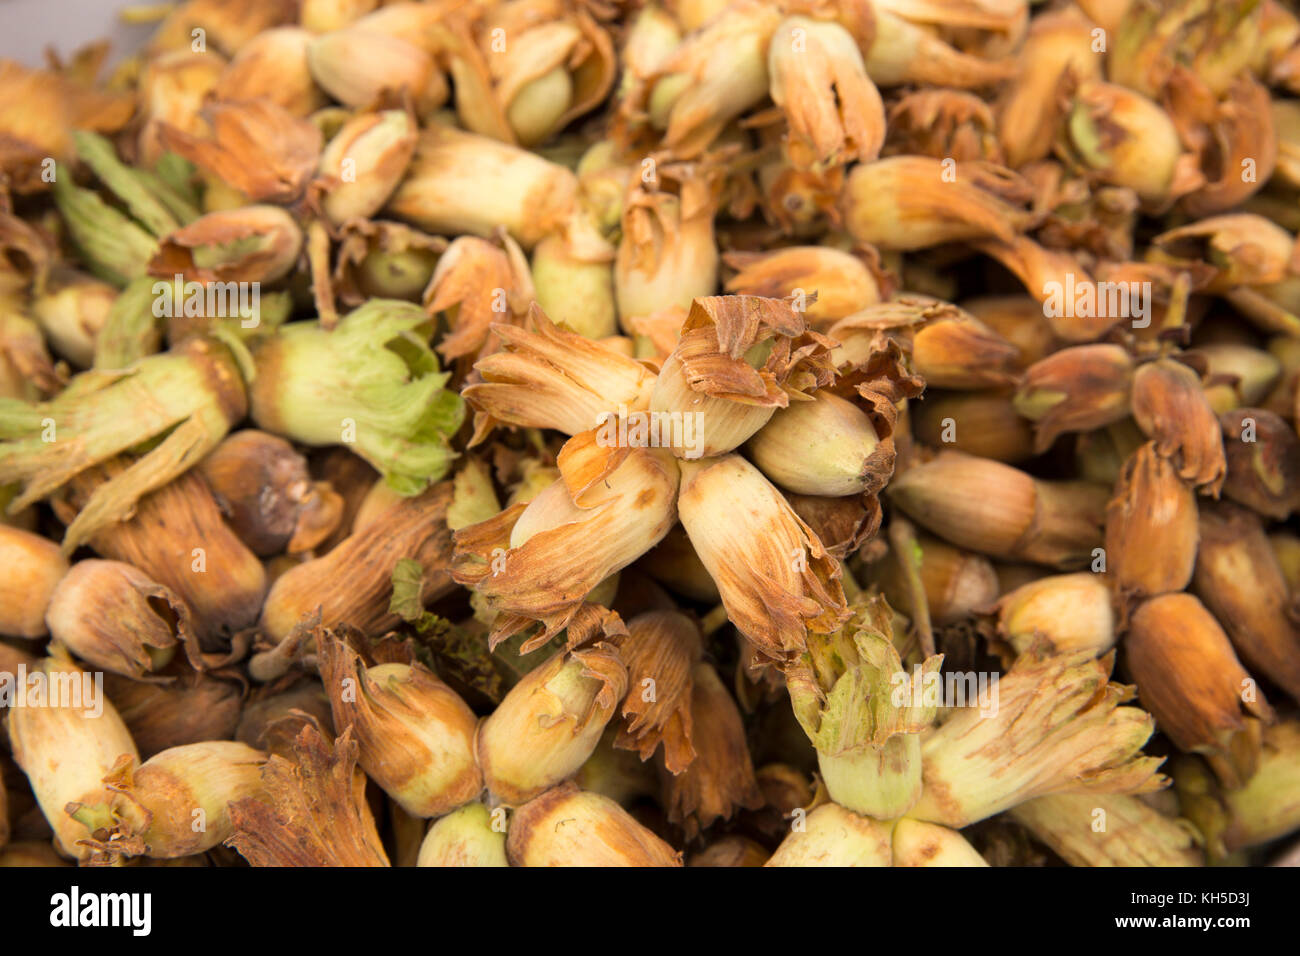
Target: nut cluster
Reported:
point(653, 432)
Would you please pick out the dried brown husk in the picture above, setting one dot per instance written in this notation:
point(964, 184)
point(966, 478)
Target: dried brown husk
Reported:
point(1263, 454)
point(178, 538)
point(273, 66)
point(1151, 528)
point(1029, 109)
point(1078, 389)
point(546, 377)
point(264, 244)
point(992, 508)
point(315, 813)
point(660, 651)
point(714, 373)
point(190, 707)
point(946, 347)
point(115, 617)
point(609, 507)
point(943, 124)
point(262, 485)
point(1191, 681)
point(256, 147)
point(1170, 406)
point(776, 578)
point(912, 202)
point(478, 282)
point(39, 109)
point(352, 584)
point(833, 109)
point(842, 283)
point(1239, 578)
point(274, 715)
point(720, 780)
point(415, 736)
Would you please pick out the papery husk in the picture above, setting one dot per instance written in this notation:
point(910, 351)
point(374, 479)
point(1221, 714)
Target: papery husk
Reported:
point(1110, 829)
point(476, 283)
point(172, 90)
point(1128, 140)
point(994, 509)
point(256, 147)
point(177, 536)
point(352, 583)
point(1190, 680)
point(947, 347)
point(379, 147)
point(192, 395)
point(1170, 406)
point(1239, 578)
point(609, 507)
point(717, 73)
point(818, 78)
point(1058, 729)
point(912, 202)
point(1263, 456)
point(117, 618)
point(660, 651)
point(902, 52)
point(715, 375)
point(272, 719)
point(462, 183)
point(1151, 528)
point(1081, 388)
point(358, 67)
point(273, 66)
point(943, 124)
point(596, 831)
point(1244, 249)
point(315, 811)
point(415, 736)
point(776, 578)
point(262, 243)
point(1029, 109)
point(546, 377)
point(667, 254)
point(1232, 134)
point(833, 283)
point(719, 781)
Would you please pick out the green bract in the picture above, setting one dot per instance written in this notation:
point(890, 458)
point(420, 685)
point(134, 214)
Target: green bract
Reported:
point(372, 384)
